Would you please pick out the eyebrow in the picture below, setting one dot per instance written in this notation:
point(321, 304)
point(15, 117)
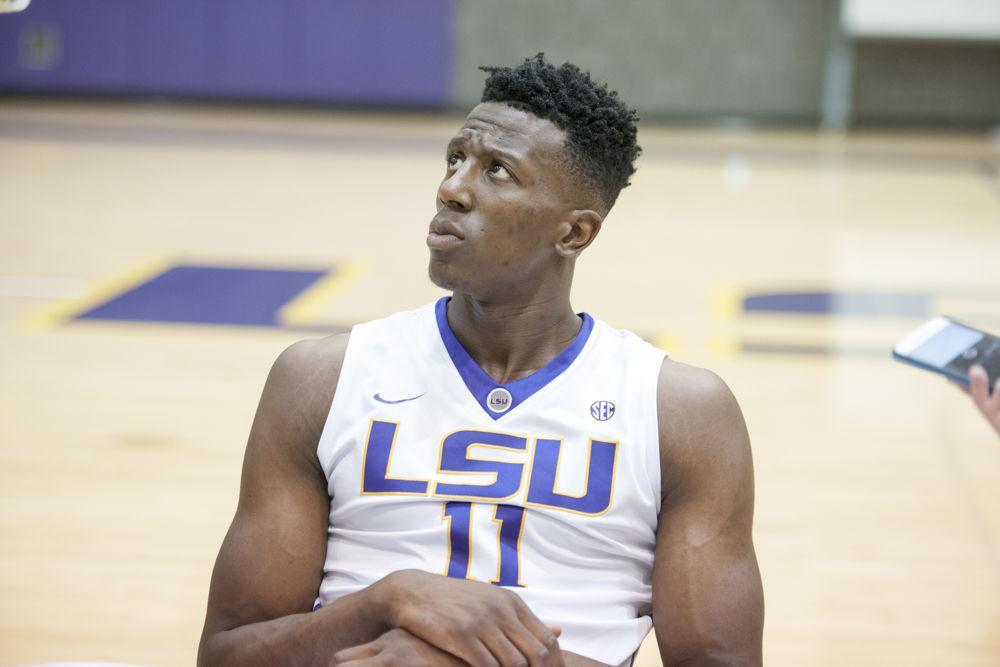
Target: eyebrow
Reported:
point(460, 141)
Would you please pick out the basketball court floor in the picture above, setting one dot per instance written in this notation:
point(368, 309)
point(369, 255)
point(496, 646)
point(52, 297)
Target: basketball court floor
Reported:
point(155, 260)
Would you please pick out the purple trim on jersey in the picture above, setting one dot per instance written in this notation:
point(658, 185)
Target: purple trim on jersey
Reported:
point(480, 383)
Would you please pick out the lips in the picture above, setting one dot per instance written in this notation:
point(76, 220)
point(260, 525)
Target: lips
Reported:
point(444, 235)
point(445, 227)
point(437, 241)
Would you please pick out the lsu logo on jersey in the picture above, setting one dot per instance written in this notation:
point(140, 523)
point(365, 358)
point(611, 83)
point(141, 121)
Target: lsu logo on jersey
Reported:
point(540, 472)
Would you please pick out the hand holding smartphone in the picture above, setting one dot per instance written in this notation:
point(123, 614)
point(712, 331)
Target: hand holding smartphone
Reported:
point(944, 346)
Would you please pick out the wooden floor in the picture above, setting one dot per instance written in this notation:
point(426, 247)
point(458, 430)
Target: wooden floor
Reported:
point(878, 514)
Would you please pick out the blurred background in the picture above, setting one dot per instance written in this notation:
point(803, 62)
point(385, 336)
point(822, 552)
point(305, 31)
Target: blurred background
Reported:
point(187, 187)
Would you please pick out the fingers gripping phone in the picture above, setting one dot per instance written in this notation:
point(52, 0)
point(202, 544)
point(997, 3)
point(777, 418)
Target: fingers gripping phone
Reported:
point(944, 346)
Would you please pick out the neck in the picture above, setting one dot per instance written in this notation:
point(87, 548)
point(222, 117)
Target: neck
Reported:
point(513, 339)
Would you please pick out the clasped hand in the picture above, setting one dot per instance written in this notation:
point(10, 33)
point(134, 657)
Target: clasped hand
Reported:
point(437, 620)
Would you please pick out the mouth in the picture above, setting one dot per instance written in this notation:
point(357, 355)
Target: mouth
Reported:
point(443, 235)
point(436, 241)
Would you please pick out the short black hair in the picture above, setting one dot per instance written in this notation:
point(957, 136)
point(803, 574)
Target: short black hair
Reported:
point(600, 127)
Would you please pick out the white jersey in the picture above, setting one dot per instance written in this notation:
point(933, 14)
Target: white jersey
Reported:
point(548, 485)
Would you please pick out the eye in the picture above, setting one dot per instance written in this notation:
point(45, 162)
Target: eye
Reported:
point(500, 171)
point(454, 159)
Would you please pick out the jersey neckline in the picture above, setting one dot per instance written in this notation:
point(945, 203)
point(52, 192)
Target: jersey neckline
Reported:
point(483, 387)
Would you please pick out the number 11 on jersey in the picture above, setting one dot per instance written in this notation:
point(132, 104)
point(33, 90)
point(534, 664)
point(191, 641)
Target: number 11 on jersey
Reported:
point(510, 520)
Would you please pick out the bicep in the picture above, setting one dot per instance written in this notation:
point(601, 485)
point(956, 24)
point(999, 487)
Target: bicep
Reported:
point(707, 598)
point(271, 561)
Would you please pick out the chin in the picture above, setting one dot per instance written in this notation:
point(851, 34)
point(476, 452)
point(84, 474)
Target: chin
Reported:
point(440, 275)
point(448, 277)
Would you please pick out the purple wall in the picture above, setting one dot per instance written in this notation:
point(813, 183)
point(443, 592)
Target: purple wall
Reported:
point(393, 52)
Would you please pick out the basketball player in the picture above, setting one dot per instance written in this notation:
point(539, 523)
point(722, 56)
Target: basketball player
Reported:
point(496, 479)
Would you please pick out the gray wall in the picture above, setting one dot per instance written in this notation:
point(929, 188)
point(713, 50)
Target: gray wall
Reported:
point(666, 57)
point(711, 59)
point(927, 83)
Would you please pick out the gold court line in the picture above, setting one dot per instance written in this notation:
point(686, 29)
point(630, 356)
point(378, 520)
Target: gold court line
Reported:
point(724, 347)
point(307, 305)
point(99, 293)
point(669, 343)
point(727, 303)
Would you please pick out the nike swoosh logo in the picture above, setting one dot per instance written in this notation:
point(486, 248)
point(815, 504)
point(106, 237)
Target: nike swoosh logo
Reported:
point(378, 397)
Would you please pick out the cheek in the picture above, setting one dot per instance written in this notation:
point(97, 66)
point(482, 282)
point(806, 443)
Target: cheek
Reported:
point(516, 238)
point(512, 233)
point(533, 228)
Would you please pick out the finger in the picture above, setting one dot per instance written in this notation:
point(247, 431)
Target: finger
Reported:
point(554, 629)
point(504, 649)
point(979, 385)
point(527, 618)
point(995, 397)
point(445, 659)
point(483, 656)
point(375, 661)
point(535, 651)
point(541, 646)
point(356, 653)
point(465, 645)
point(470, 650)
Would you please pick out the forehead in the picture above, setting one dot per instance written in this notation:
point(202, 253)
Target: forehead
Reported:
point(501, 126)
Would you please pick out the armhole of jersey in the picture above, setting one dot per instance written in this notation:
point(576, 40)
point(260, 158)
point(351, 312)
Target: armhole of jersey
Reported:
point(657, 356)
point(327, 436)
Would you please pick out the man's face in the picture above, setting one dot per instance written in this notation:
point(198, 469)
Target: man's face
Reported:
point(499, 206)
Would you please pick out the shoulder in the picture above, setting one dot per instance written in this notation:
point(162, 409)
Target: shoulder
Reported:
point(692, 395)
point(311, 362)
point(307, 371)
point(299, 390)
point(700, 423)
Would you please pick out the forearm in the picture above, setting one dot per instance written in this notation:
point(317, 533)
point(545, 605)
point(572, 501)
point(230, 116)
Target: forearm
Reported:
point(299, 639)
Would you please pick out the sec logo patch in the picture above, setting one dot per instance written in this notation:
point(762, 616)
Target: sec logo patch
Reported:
point(602, 411)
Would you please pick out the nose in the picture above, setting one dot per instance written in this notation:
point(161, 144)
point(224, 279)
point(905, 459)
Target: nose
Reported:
point(455, 190)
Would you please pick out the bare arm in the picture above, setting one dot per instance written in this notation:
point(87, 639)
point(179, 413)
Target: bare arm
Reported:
point(271, 563)
point(708, 606)
point(267, 573)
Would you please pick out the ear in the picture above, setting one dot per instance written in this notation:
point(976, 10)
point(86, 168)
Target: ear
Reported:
point(577, 231)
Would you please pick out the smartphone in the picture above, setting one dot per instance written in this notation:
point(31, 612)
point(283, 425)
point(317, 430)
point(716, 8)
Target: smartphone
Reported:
point(945, 346)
